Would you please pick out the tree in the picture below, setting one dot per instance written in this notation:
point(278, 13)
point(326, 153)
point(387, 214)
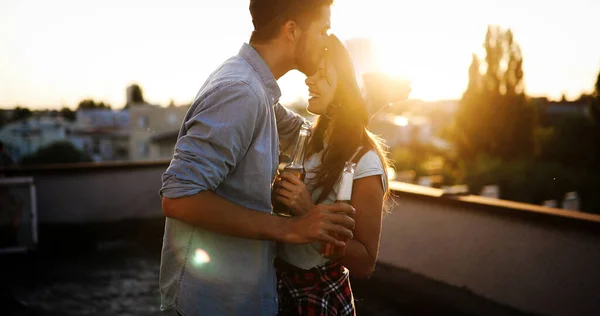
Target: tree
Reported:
point(594, 105)
point(20, 113)
point(59, 152)
point(465, 132)
point(563, 98)
point(88, 104)
point(136, 97)
point(494, 116)
point(68, 114)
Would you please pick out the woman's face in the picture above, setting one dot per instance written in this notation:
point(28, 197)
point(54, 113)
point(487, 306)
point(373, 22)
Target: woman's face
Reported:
point(322, 86)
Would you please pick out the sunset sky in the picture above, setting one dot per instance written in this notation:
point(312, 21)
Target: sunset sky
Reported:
point(55, 53)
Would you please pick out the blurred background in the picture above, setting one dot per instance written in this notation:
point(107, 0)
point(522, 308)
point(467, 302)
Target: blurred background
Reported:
point(498, 86)
point(505, 106)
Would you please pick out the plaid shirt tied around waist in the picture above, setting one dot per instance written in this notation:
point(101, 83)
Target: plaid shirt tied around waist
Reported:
point(321, 291)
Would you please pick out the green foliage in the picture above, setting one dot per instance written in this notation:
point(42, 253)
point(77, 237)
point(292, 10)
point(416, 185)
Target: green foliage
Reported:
point(524, 180)
point(425, 160)
point(20, 113)
point(137, 95)
point(494, 116)
point(68, 114)
point(498, 140)
point(59, 152)
point(572, 142)
point(567, 161)
point(88, 104)
point(594, 105)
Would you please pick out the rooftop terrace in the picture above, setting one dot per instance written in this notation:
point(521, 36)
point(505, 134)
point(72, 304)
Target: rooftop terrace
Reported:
point(458, 255)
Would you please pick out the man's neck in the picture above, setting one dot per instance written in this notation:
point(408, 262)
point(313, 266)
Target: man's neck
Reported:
point(274, 58)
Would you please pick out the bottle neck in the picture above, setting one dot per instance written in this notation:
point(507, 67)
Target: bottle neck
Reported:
point(299, 150)
point(345, 189)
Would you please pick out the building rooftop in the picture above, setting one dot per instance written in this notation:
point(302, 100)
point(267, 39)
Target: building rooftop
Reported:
point(439, 254)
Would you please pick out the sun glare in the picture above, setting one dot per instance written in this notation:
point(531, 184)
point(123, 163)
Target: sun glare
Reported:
point(401, 121)
point(430, 48)
point(429, 42)
point(407, 46)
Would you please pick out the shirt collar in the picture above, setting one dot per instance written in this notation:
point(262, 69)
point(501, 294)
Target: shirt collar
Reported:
point(266, 76)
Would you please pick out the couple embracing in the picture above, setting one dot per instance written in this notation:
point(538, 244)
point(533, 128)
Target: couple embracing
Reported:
point(217, 191)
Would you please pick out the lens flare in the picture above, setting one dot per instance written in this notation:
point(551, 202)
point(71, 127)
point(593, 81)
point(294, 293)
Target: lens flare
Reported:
point(201, 257)
point(401, 121)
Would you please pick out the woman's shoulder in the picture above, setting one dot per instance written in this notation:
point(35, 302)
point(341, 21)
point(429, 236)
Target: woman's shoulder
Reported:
point(369, 164)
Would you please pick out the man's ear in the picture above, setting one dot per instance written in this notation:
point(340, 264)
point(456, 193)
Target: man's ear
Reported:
point(291, 30)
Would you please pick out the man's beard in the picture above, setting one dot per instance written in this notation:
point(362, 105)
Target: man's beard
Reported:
point(302, 59)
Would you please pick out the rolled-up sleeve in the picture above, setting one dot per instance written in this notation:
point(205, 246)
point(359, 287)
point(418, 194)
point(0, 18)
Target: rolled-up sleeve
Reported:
point(217, 135)
point(288, 126)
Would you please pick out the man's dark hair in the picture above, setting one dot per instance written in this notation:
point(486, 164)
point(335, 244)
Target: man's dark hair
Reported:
point(269, 15)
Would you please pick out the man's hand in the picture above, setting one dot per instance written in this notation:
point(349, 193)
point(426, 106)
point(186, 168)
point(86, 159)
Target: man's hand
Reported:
point(320, 223)
point(209, 211)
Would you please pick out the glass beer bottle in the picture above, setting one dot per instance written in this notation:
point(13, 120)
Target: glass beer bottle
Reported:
point(344, 195)
point(295, 167)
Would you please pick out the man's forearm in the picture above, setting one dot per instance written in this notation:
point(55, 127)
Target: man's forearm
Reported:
point(209, 211)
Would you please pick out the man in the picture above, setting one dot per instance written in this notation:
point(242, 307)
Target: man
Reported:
point(220, 233)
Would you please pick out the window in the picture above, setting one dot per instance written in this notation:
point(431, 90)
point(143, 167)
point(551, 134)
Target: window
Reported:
point(96, 147)
point(143, 122)
point(143, 149)
point(172, 118)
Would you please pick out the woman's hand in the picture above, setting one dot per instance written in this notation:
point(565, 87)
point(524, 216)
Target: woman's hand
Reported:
point(292, 192)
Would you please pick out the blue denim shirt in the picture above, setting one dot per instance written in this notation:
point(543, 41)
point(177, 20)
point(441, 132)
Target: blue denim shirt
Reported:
point(228, 144)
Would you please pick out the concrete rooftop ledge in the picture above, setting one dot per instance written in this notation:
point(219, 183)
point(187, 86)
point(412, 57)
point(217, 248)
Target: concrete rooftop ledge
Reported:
point(401, 188)
point(82, 167)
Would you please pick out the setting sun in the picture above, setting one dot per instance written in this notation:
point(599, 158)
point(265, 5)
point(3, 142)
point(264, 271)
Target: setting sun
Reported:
point(430, 42)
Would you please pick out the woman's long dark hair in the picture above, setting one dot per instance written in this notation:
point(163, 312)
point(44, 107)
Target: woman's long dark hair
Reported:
point(347, 126)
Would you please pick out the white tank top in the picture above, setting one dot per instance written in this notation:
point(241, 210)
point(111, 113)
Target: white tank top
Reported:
point(308, 256)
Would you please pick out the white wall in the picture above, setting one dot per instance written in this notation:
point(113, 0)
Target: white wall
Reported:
point(534, 262)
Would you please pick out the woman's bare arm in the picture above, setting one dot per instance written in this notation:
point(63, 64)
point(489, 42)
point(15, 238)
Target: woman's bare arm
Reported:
point(362, 251)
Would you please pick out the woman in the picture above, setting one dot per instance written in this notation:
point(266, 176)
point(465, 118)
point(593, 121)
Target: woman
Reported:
point(308, 283)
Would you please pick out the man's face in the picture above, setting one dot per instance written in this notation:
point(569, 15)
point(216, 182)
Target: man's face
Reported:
point(312, 42)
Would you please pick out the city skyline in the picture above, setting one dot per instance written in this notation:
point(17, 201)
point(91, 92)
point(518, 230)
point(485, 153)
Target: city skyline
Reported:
point(56, 54)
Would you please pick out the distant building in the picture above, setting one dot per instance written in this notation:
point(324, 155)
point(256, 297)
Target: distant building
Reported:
point(27, 136)
point(400, 130)
point(154, 131)
point(102, 133)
